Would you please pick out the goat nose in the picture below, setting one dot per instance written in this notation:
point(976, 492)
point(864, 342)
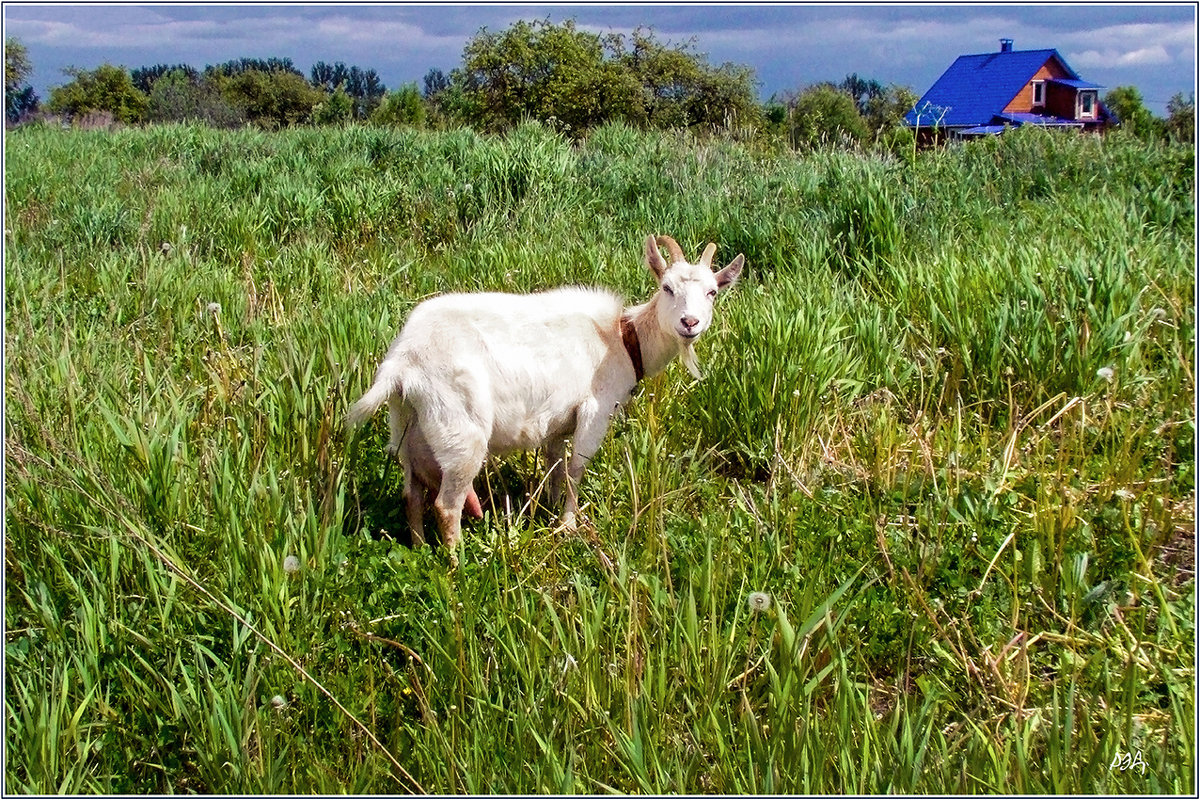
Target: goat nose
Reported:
point(689, 322)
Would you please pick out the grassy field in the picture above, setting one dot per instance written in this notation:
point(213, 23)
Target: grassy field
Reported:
point(926, 525)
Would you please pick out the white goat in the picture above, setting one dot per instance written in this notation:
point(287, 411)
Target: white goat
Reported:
point(488, 373)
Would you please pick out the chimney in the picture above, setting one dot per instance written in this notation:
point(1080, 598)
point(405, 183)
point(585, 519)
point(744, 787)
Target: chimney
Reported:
point(1006, 45)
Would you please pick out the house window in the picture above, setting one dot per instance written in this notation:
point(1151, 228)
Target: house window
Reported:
point(1039, 93)
point(1087, 105)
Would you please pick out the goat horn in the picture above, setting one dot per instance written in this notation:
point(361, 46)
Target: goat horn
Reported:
point(672, 248)
point(706, 258)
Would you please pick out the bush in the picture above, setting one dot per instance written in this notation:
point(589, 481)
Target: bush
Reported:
point(402, 107)
point(336, 109)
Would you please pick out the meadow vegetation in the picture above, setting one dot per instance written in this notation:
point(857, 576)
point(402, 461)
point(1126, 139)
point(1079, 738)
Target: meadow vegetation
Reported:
point(926, 525)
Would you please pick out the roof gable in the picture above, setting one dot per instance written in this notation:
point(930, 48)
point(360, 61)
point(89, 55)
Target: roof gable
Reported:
point(977, 87)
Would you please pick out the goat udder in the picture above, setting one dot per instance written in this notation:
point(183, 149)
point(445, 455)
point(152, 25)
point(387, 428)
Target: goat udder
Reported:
point(471, 507)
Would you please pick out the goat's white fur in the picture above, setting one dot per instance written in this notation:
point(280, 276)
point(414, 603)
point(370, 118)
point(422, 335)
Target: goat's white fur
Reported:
point(488, 373)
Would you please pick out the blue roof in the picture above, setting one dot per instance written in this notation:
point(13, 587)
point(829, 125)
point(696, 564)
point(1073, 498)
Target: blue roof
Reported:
point(983, 130)
point(976, 88)
point(1077, 84)
point(1020, 118)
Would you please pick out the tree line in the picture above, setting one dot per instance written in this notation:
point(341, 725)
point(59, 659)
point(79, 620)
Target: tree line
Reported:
point(570, 79)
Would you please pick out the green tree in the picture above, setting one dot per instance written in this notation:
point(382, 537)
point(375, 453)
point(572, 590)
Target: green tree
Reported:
point(681, 89)
point(668, 77)
point(144, 78)
point(443, 98)
point(19, 97)
point(270, 99)
point(725, 99)
point(363, 87)
point(240, 65)
point(1181, 117)
point(861, 90)
point(16, 64)
point(823, 115)
point(1132, 114)
point(554, 73)
point(106, 88)
point(576, 80)
point(400, 108)
point(885, 110)
point(435, 83)
point(181, 95)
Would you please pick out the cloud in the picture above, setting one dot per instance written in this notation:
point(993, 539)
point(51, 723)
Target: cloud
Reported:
point(1141, 56)
point(280, 31)
point(1128, 45)
point(347, 31)
point(140, 34)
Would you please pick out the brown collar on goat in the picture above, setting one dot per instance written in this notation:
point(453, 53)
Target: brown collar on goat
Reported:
point(633, 347)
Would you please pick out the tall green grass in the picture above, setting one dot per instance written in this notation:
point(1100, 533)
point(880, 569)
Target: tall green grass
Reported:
point(947, 426)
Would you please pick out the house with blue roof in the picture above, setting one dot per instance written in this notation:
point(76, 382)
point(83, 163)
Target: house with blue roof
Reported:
point(986, 93)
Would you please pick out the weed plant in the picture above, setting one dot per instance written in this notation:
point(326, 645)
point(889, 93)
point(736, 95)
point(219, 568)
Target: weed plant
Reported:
point(926, 526)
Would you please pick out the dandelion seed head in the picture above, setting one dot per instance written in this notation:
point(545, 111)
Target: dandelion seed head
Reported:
point(758, 602)
point(1105, 373)
point(214, 308)
point(291, 564)
point(278, 702)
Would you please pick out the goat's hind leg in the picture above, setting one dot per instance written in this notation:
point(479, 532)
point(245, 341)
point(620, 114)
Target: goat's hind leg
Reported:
point(399, 420)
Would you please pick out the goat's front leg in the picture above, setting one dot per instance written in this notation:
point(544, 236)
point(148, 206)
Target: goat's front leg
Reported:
point(589, 433)
point(555, 451)
point(414, 504)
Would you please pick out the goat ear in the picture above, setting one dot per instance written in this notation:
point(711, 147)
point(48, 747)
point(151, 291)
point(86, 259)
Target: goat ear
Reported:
point(654, 260)
point(729, 275)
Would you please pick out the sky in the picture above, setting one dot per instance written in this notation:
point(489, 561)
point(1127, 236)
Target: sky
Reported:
point(1149, 46)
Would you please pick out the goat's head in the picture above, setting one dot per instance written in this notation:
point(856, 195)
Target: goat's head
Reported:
point(684, 302)
point(687, 290)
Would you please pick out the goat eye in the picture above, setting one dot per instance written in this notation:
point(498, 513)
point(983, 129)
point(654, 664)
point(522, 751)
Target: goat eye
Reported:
point(712, 292)
point(668, 290)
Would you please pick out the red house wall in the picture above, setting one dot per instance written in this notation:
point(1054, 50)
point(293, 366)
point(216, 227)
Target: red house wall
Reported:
point(1060, 101)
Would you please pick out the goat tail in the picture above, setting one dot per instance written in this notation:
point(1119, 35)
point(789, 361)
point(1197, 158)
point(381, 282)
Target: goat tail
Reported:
point(387, 382)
